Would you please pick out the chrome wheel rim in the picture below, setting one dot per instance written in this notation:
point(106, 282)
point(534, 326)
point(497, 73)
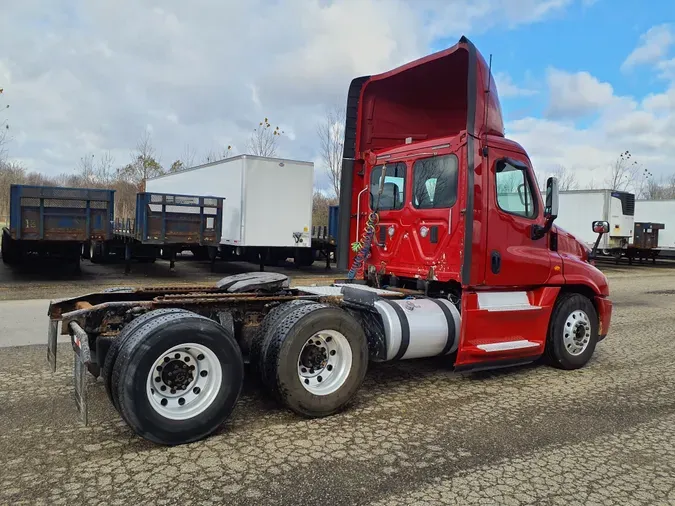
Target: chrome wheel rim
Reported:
point(184, 381)
point(577, 333)
point(325, 362)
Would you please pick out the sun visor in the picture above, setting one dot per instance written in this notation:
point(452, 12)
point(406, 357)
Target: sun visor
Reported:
point(439, 95)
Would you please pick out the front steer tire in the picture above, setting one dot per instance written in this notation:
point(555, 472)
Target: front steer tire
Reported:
point(286, 342)
point(571, 310)
point(149, 345)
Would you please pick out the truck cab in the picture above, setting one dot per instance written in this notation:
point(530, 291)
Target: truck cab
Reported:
point(438, 200)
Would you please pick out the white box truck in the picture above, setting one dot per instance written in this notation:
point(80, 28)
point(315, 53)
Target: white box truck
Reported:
point(267, 208)
point(579, 208)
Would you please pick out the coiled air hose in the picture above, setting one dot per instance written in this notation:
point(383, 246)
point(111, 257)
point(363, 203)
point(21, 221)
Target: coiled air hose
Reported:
point(362, 247)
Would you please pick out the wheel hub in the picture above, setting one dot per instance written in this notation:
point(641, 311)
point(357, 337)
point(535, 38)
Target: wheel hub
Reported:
point(184, 381)
point(177, 374)
point(324, 362)
point(313, 356)
point(577, 332)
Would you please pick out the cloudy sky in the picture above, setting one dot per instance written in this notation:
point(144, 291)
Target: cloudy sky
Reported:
point(580, 80)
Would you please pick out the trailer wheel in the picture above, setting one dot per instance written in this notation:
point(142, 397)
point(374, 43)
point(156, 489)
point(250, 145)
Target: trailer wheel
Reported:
point(127, 331)
point(573, 332)
point(316, 359)
point(97, 252)
point(269, 322)
point(178, 378)
point(10, 255)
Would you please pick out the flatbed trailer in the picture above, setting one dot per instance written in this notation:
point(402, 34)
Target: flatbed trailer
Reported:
point(55, 221)
point(165, 224)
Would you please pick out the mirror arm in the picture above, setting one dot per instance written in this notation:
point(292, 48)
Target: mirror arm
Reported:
point(538, 231)
point(594, 251)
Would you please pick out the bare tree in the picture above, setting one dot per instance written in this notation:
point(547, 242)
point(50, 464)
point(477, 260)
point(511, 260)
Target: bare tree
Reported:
point(104, 172)
point(143, 163)
point(623, 172)
point(264, 139)
point(4, 129)
point(85, 168)
point(331, 144)
point(567, 180)
point(320, 205)
point(188, 158)
point(214, 156)
point(663, 189)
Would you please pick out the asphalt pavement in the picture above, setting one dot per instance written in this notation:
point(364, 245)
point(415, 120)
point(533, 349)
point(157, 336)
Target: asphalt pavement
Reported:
point(416, 434)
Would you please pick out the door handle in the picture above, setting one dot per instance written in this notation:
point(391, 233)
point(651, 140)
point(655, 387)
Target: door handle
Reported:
point(496, 262)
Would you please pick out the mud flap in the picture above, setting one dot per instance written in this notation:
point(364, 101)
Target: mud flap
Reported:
point(52, 333)
point(80, 342)
point(80, 380)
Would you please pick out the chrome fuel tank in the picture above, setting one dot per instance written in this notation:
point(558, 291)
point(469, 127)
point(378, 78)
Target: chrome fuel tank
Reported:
point(416, 328)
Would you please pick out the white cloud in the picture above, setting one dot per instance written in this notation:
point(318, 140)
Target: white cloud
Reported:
point(654, 45)
point(574, 95)
point(507, 88)
point(622, 123)
point(95, 75)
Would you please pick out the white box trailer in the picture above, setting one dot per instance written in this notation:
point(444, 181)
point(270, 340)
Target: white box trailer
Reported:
point(578, 209)
point(268, 201)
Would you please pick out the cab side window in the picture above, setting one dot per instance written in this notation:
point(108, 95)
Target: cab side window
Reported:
point(515, 194)
point(393, 192)
point(435, 182)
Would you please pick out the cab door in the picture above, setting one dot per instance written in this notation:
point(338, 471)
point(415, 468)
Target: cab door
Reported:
point(505, 318)
point(515, 207)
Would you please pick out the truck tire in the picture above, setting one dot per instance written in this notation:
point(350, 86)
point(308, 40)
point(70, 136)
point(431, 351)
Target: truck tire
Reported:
point(127, 331)
point(97, 253)
point(316, 359)
point(304, 257)
point(572, 333)
point(177, 378)
point(10, 255)
point(269, 322)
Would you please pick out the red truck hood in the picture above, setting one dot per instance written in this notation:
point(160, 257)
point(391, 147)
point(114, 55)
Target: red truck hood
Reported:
point(570, 244)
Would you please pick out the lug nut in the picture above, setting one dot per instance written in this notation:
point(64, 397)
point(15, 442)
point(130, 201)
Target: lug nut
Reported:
point(303, 370)
point(306, 381)
point(162, 388)
point(187, 359)
point(330, 367)
point(177, 355)
point(173, 390)
point(319, 379)
point(181, 401)
point(200, 357)
point(159, 367)
point(329, 339)
point(192, 368)
point(196, 390)
point(166, 359)
point(164, 402)
point(158, 379)
point(332, 352)
point(203, 374)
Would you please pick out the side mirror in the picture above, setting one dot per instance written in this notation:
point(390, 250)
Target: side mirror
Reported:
point(600, 227)
point(551, 205)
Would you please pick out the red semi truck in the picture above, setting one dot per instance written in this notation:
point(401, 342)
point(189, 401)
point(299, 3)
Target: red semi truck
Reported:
point(454, 255)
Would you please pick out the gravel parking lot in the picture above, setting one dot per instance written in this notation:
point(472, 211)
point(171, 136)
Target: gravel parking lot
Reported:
point(416, 434)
